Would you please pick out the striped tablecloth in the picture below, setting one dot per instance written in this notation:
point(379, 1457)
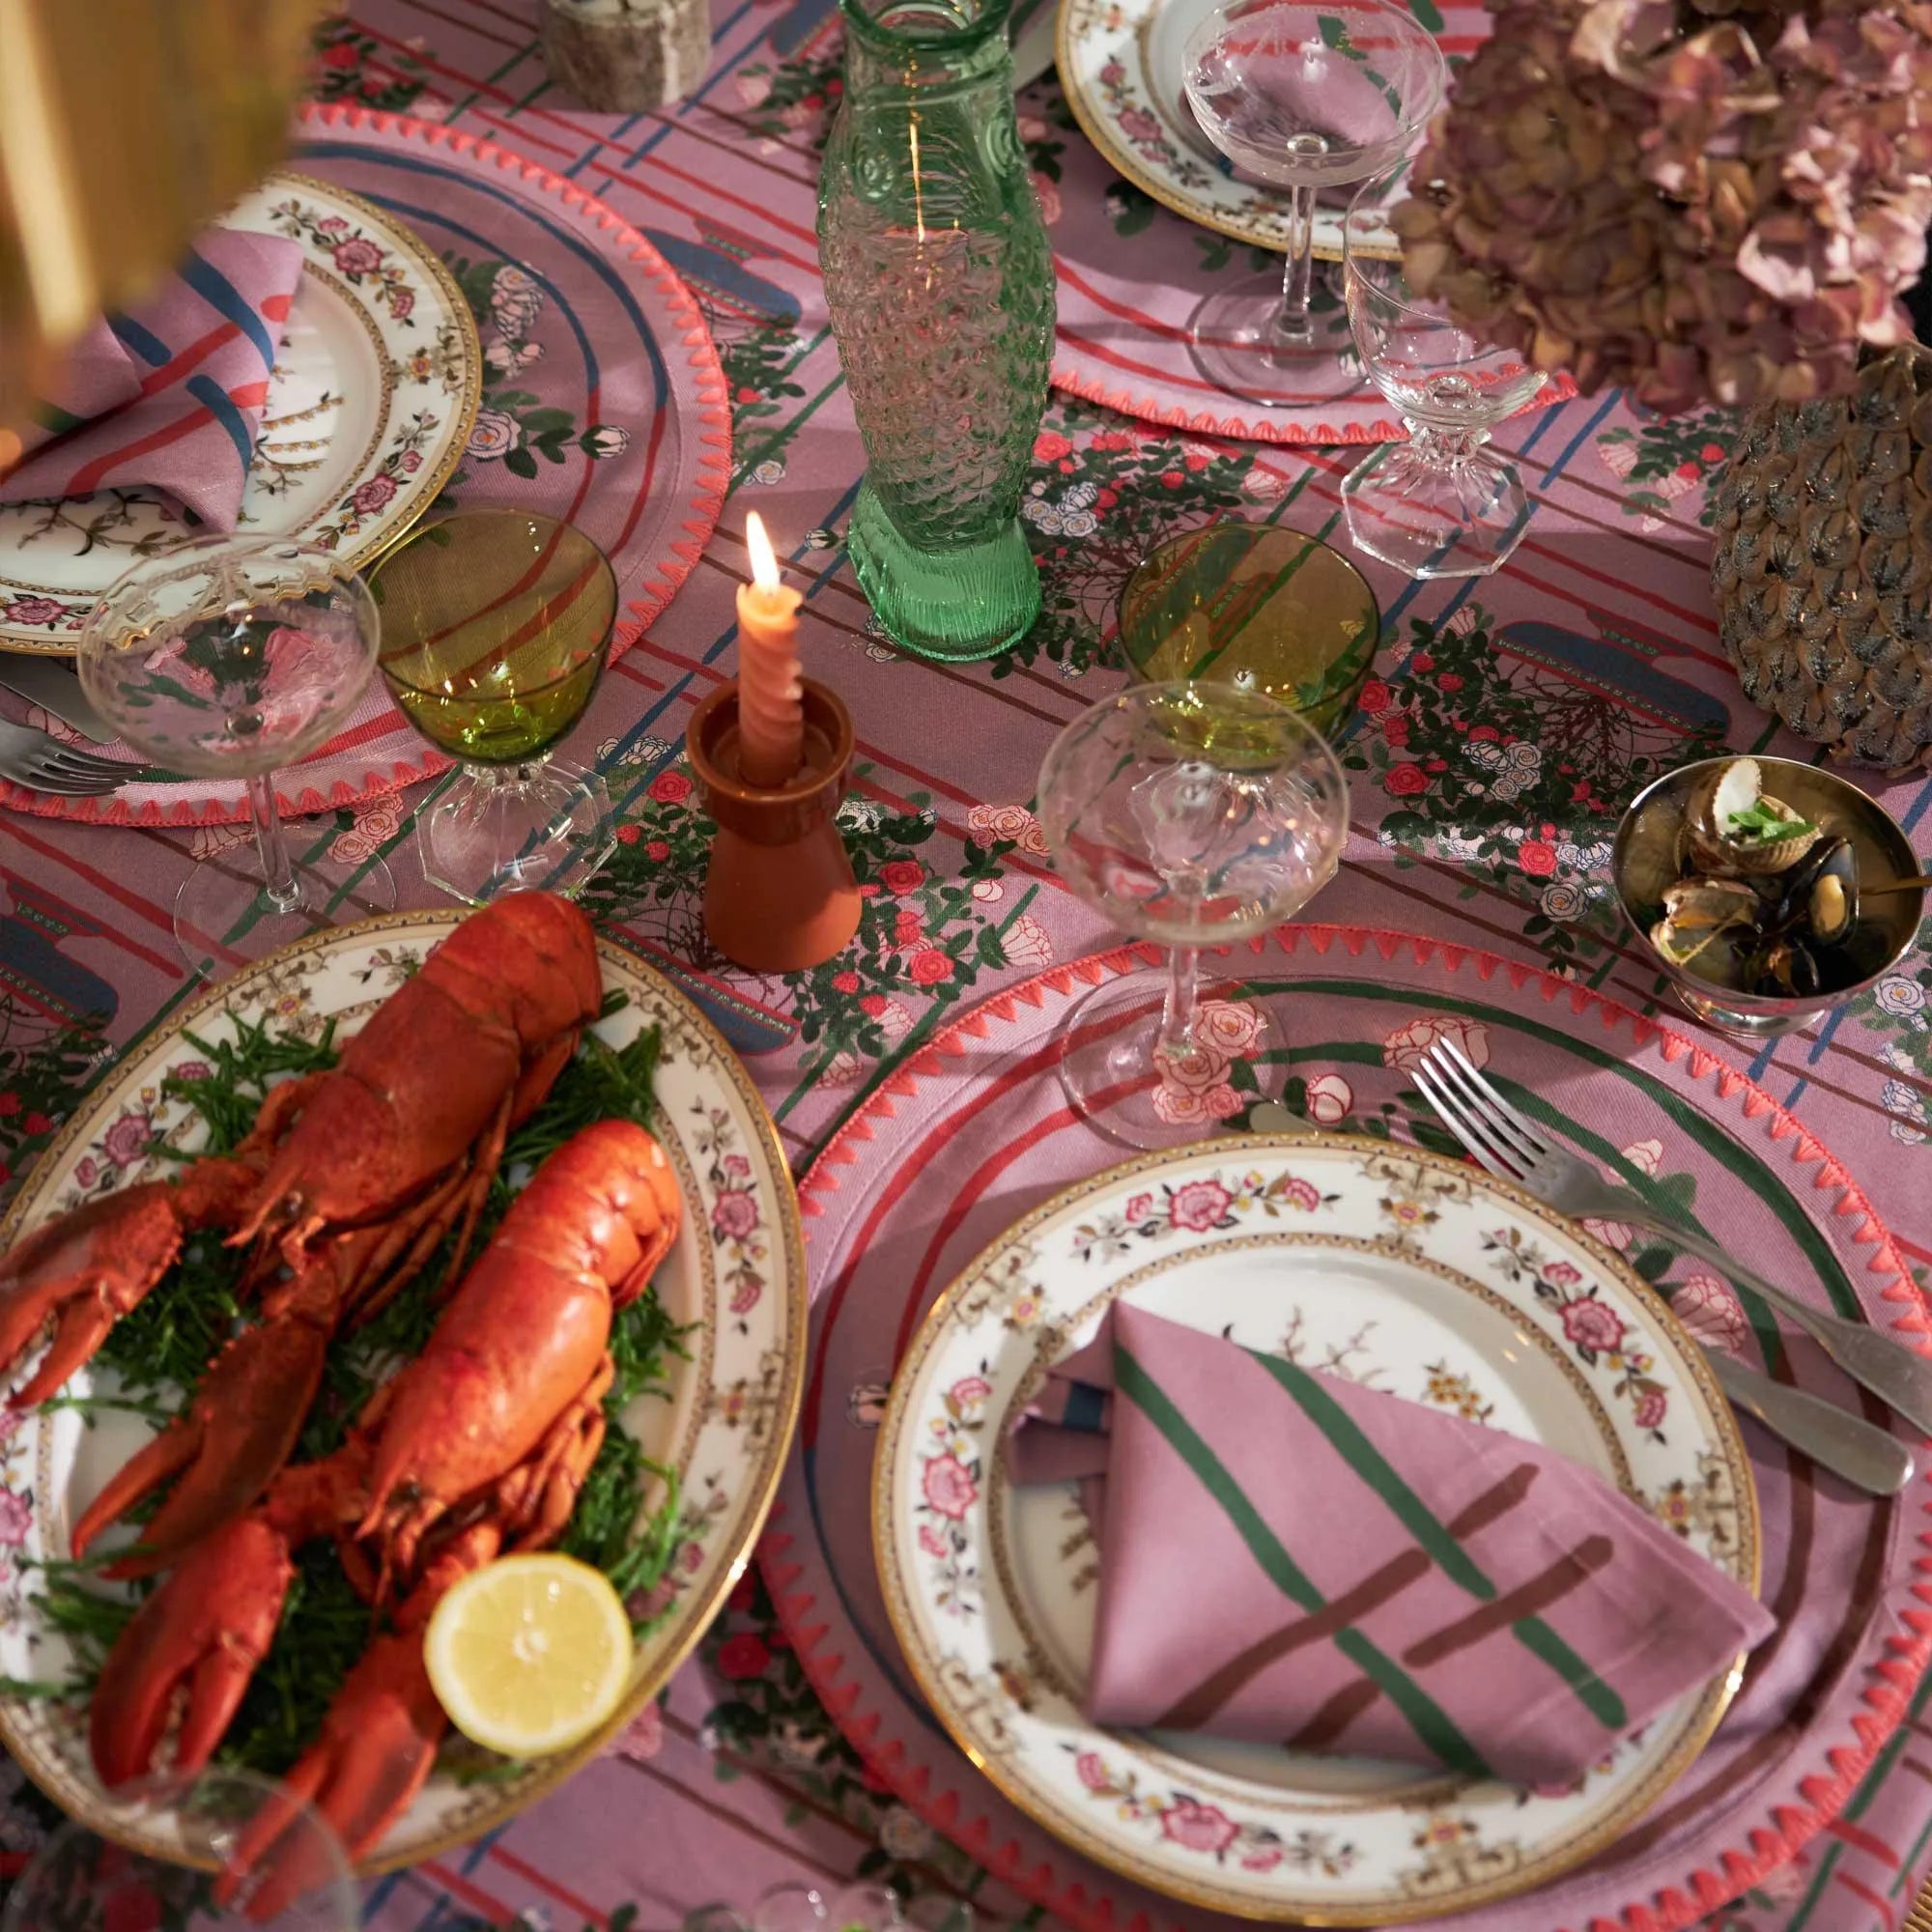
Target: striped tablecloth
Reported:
point(1507, 722)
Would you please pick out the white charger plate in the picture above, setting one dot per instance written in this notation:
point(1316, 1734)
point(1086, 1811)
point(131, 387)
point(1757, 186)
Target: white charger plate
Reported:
point(371, 401)
point(1415, 1275)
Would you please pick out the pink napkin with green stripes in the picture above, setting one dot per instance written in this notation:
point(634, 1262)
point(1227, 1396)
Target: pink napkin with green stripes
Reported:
point(1294, 1559)
point(170, 396)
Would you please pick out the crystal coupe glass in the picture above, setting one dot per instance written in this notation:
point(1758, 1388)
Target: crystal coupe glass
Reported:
point(1194, 815)
point(1306, 97)
point(230, 659)
point(1443, 504)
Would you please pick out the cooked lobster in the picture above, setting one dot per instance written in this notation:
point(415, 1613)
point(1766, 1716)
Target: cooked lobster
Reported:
point(478, 1446)
point(346, 1184)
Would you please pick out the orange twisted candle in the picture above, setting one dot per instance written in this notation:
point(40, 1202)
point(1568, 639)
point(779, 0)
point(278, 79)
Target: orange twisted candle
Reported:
point(771, 709)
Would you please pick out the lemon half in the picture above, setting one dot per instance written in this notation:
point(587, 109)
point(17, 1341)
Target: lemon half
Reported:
point(530, 1654)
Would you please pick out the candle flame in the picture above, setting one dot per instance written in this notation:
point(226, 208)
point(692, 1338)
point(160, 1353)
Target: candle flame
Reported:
point(764, 560)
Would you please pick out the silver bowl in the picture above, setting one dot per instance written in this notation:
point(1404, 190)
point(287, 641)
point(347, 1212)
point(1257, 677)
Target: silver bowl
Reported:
point(1887, 924)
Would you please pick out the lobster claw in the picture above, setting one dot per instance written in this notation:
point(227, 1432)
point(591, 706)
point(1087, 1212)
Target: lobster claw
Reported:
point(87, 1270)
point(206, 1628)
point(225, 1447)
point(376, 1746)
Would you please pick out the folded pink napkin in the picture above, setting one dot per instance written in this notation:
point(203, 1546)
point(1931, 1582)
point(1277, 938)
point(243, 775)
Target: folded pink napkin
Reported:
point(171, 396)
point(1293, 1558)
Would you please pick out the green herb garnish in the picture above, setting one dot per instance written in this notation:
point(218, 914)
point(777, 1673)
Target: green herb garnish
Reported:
point(160, 1351)
point(1761, 824)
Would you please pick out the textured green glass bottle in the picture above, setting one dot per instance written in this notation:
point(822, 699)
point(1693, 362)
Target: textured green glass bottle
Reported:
point(940, 283)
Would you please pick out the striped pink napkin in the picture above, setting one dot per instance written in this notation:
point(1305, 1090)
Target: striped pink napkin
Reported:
point(1295, 1559)
point(170, 396)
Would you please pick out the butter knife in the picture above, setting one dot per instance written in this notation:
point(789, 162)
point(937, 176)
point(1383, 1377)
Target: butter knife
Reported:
point(55, 689)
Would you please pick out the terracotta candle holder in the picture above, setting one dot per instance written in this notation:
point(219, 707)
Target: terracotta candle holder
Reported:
point(780, 895)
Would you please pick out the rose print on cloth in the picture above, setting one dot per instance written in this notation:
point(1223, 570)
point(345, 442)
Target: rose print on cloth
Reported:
point(1194, 1084)
point(1404, 1048)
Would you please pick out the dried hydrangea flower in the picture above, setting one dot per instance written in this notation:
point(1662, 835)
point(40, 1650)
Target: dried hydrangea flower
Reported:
point(1707, 200)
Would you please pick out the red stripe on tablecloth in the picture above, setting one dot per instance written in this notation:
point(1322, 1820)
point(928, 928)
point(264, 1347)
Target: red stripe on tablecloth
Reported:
point(543, 1881)
point(1861, 1840)
point(1865, 1892)
point(88, 477)
point(682, 205)
point(154, 915)
point(499, 1910)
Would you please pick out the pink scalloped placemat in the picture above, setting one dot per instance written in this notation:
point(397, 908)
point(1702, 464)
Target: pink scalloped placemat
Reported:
point(1841, 1572)
point(603, 403)
point(1128, 273)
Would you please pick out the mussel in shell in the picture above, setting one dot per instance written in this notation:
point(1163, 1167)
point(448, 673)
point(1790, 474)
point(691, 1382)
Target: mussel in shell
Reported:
point(1819, 897)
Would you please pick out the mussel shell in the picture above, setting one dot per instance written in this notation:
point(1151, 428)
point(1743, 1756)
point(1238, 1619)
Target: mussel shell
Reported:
point(1699, 906)
point(1818, 900)
point(1787, 969)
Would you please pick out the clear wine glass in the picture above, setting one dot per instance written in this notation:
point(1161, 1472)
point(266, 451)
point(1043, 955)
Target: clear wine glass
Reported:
point(1443, 504)
point(84, 1880)
point(1195, 815)
point(1306, 97)
point(231, 660)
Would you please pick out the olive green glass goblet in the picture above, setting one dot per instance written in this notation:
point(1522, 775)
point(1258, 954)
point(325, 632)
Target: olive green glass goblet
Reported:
point(1260, 607)
point(494, 627)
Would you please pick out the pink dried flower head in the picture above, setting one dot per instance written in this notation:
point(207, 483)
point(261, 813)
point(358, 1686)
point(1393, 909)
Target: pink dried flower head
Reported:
point(1709, 200)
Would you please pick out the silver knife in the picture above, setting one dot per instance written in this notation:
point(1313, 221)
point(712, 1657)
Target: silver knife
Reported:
point(1865, 1456)
point(54, 687)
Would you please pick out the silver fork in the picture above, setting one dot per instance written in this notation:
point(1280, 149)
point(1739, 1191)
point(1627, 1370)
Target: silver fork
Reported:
point(1510, 1146)
point(43, 763)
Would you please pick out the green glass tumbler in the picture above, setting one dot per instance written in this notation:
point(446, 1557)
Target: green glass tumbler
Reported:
point(940, 284)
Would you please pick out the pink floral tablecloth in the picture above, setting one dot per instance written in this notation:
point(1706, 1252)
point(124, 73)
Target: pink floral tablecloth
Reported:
point(1506, 723)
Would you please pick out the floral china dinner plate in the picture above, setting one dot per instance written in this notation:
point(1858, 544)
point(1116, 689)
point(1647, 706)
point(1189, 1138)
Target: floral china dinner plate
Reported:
point(1120, 67)
point(371, 401)
point(1363, 1259)
point(737, 1275)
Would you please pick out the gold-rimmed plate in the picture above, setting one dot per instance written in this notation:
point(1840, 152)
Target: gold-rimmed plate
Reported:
point(1120, 64)
point(371, 401)
point(1397, 1268)
point(737, 1274)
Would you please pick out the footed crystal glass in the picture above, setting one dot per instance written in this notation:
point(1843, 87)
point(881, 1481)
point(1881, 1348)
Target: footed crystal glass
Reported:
point(1443, 504)
point(1194, 815)
point(233, 659)
point(1309, 95)
point(940, 284)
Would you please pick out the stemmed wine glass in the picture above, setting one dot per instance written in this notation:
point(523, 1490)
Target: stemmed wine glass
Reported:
point(494, 625)
point(1195, 815)
point(1308, 97)
point(1443, 504)
point(231, 660)
point(87, 1881)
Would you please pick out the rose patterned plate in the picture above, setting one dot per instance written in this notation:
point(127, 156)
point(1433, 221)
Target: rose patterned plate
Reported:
point(1121, 65)
point(1394, 1268)
point(371, 401)
point(737, 1271)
